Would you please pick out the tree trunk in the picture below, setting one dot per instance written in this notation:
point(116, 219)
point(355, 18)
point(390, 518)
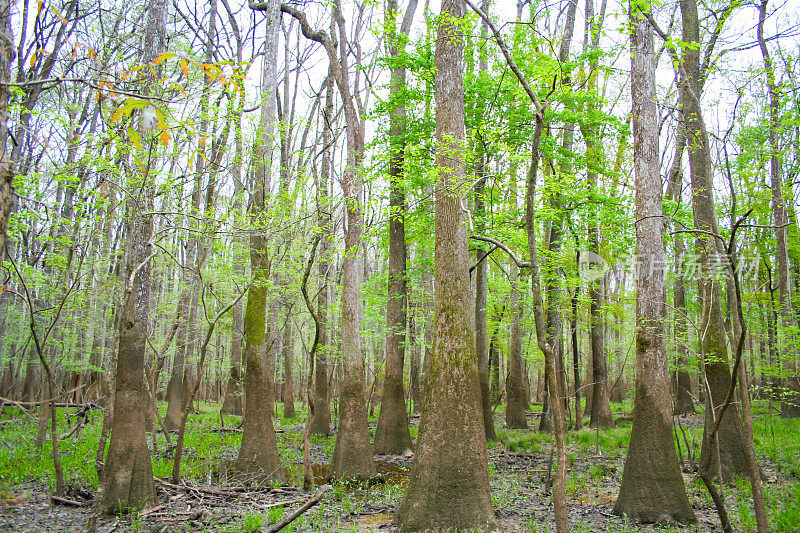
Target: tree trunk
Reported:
point(516, 403)
point(416, 351)
point(576, 364)
point(258, 456)
point(790, 405)
point(179, 383)
point(392, 434)
point(128, 471)
point(352, 454)
point(553, 402)
point(232, 404)
point(684, 403)
point(321, 413)
point(712, 340)
point(288, 382)
point(600, 411)
point(443, 494)
point(6, 165)
point(652, 485)
point(481, 270)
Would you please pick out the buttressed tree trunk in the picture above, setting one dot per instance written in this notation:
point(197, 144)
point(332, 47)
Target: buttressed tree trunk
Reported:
point(128, 472)
point(392, 434)
point(258, 456)
point(321, 413)
point(516, 403)
point(352, 455)
point(652, 484)
point(712, 340)
point(449, 483)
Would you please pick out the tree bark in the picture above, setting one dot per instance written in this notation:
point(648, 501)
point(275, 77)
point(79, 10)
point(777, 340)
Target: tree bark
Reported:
point(128, 471)
point(443, 494)
point(652, 485)
point(392, 434)
point(258, 456)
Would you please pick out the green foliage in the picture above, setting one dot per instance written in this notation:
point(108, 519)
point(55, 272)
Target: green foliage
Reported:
point(612, 443)
point(531, 441)
point(251, 523)
point(275, 514)
point(20, 462)
point(785, 506)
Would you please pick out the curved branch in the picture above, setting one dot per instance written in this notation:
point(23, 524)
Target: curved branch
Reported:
point(506, 249)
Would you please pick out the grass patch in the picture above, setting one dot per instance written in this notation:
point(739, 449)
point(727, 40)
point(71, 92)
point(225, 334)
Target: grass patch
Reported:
point(531, 441)
point(611, 442)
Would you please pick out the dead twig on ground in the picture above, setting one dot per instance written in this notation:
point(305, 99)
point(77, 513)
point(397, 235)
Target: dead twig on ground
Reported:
point(305, 507)
point(69, 503)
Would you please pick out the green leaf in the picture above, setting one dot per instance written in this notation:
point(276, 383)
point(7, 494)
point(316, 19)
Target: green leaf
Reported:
point(135, 138)
point(127, 108)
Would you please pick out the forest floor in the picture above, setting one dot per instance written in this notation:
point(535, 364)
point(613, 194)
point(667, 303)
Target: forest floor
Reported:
point(208, 501)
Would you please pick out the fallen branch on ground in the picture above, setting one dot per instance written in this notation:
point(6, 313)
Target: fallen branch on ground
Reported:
point(70, 503)
point(305, 507)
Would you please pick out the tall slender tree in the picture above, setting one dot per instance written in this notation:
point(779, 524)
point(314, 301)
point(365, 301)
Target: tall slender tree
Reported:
point(601, 410)
point(481, 259)
point(449, 484)
point(352, 454)
point(258, 454)
point(128, 472)
point(790, 406)
point(392, 434)
point(713, 347)
point(320, 405)
point(652, 484)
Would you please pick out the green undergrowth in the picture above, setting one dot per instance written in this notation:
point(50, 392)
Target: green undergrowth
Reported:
point(21, 462)
point(596, 460)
